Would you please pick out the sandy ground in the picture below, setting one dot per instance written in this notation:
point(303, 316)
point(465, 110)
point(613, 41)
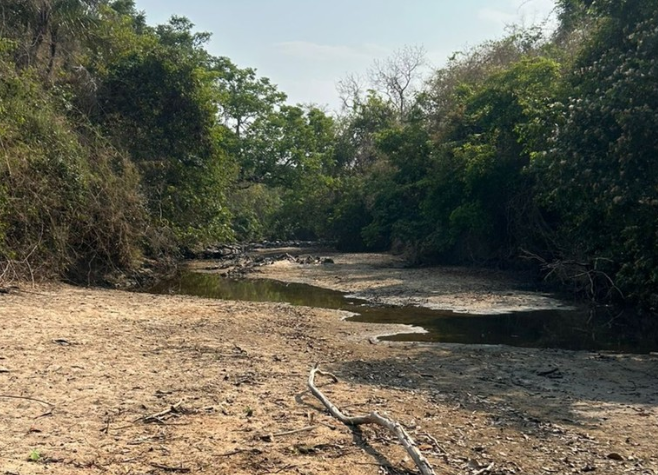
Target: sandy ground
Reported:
point(110, 382)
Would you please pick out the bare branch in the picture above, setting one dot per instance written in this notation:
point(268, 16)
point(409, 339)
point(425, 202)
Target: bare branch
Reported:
point(351, 90)
point(397, 76)
point(372, 418)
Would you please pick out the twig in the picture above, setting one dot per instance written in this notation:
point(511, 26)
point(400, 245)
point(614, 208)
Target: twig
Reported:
point(170, 469)
point(484, 470)
point(372, 418)
point(436, 444)
point(49, 412)
point(295, 431)
point(6, 396)
point(288, 432)
point(286, 467)
point(163, 423)
point(232, 452)
point(375, 464)
point(175, 409)
point(239, 451)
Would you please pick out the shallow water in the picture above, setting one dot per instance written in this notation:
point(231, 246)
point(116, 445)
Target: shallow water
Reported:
point(582, 329)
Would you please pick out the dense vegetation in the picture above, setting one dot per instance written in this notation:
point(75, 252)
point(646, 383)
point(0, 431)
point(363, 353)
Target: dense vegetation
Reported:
point(121, 143)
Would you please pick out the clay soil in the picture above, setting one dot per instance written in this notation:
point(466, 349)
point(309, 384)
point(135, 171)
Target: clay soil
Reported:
point(112, 382)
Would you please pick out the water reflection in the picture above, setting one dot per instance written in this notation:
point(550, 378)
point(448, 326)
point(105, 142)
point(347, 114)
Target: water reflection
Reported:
point(568, 329)
point(252, 290)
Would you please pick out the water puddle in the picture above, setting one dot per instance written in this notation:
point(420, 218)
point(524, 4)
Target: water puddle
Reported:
point(568, 329)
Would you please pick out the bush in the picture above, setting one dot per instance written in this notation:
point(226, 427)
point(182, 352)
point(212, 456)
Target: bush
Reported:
point(69, 202)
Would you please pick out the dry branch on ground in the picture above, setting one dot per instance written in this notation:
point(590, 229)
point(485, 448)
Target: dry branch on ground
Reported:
point(372, 418)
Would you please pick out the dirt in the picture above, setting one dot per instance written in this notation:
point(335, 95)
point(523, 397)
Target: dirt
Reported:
point(111, 382)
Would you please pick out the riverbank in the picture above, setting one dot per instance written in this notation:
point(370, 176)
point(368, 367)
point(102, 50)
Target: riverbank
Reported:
point(384, 278)
point(104, 381)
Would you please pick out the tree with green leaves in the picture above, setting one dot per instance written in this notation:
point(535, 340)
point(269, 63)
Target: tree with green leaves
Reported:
point(161, 104)
point(600, 165)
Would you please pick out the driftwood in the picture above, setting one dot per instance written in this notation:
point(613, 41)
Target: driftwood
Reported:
point(372, 418)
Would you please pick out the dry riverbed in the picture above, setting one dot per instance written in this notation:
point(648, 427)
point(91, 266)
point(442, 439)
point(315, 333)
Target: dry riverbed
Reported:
point(110, 382)
point(384, 278)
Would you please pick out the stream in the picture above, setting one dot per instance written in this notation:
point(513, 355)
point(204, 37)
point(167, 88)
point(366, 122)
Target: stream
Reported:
point(582, 329)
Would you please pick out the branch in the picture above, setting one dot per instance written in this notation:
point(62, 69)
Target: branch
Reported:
point(372, 418)
point(7, 396)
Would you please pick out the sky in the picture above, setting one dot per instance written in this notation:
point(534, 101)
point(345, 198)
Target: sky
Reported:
point(306, 46)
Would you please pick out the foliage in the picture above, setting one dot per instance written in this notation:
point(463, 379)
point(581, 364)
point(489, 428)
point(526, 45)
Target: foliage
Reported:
point(160, 105)
point(523, 145)
point(118, 139)
point(290, 150)
point(97, 113)
point(600, 168)
point(254, 210)
point(70, 202)
point(35, 456)
point(450, 190)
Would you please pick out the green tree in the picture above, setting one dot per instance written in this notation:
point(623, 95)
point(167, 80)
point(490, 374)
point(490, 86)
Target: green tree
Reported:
point(600, 166)
point(245, 97)
point(161, 105)
point(293, 151)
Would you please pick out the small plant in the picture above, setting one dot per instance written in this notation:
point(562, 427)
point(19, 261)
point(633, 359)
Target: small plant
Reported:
point(35, 456)
point(249, 411)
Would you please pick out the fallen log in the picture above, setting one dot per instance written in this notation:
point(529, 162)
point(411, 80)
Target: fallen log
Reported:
point(372, 418)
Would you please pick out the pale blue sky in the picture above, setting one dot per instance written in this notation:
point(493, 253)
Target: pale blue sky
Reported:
point(306, 46)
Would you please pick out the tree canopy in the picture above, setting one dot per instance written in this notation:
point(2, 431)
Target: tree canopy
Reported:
point(122, 142)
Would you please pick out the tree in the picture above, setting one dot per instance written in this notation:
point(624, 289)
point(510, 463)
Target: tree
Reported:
point(355, 147)
point(398, 76)
point(244, 96)
point(351, 90)
point(245, 101)
point(599, 167)
point(59, 24)
point(161, 104)
point(289, 145)
point(70, 203)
